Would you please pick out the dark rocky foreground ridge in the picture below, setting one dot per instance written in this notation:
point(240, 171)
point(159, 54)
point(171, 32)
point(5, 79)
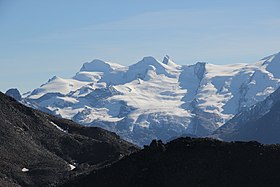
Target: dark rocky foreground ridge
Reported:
point(37, 149)
point(192, 162)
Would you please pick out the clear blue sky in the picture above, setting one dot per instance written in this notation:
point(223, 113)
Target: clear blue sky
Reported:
point(40, 39)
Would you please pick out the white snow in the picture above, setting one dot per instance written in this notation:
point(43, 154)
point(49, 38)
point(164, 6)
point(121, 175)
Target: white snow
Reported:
point(72, 167)
point(58, 127)
point(57, 85)
point(100, 66)
point(88, 76)
point(160, 96)
point(24, 170)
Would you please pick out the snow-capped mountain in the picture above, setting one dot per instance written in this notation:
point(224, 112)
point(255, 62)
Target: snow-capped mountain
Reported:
point(259, 122)
point(153, 99)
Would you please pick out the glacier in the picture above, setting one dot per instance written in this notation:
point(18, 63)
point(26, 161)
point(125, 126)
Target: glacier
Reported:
point(155, 99)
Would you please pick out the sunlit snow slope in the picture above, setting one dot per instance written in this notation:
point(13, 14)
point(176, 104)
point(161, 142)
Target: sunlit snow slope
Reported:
point(153, 99)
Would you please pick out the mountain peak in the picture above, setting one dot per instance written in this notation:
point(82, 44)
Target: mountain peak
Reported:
point(272, 64)
point(54, 78)
point(200, 69)
point(149, 60)
point(270, 57)
point(100, 66)
point(96, 65)
point(168, 61)
point(14, 93)
point(145, 62)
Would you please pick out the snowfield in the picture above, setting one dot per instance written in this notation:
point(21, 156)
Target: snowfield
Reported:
point(157, 100)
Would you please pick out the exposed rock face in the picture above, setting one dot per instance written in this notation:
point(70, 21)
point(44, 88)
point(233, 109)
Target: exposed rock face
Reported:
point(38, 149)
point(14, 93)
point(260, 122)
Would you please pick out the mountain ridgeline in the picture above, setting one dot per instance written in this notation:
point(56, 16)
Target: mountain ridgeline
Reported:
point(157, 99)
point(191, 162)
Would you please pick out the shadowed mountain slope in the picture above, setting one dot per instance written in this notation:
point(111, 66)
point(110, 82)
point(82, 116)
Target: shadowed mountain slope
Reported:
point(38, 149)
point(260, 122)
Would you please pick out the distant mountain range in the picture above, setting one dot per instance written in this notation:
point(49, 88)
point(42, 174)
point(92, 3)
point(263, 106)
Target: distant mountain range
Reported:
point(157, 100)
point(38, 149)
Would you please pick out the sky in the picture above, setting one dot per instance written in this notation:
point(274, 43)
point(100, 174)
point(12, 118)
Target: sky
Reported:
point(40, 39)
